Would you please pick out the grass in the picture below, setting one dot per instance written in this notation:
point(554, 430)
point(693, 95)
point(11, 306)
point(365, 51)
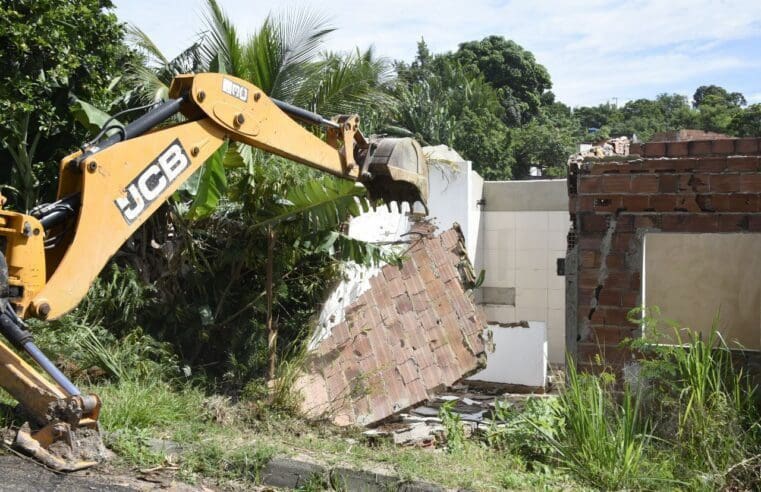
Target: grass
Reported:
point(689, 420)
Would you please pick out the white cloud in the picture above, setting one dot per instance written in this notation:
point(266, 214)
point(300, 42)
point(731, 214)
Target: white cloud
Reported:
point(594, 49)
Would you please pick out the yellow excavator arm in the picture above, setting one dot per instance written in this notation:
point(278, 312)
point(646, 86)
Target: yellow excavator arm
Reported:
point(106, 191)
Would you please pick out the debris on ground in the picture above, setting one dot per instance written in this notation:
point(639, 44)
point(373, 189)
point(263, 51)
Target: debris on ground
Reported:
point(421, 426)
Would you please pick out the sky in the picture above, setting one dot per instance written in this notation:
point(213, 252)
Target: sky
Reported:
point(596, 51)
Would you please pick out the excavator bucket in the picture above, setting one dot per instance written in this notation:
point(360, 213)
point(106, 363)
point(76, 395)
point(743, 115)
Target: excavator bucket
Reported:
point(395, 169)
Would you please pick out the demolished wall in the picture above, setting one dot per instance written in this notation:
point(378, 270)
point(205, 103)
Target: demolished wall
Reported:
point(708, 186)
point(414, 331)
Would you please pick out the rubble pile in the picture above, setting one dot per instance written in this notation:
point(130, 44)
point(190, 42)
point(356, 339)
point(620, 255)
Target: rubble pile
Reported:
point(422, 425)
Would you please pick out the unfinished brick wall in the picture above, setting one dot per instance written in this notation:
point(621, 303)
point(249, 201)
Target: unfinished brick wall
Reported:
point(687, 187)
point(415, 331)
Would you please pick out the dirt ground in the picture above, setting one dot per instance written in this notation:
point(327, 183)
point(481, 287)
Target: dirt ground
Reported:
point(21, 474)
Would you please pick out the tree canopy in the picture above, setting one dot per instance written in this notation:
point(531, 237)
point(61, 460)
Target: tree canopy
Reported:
point(49, 52)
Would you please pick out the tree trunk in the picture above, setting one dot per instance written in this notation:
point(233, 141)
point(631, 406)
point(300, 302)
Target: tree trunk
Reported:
point(271, 326)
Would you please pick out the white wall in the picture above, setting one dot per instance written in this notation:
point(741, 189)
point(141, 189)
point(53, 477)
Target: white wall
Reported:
point(519, 251)
point(520, 355)
point(454, 191)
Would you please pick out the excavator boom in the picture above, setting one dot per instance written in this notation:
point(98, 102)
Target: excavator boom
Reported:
point(107, 190)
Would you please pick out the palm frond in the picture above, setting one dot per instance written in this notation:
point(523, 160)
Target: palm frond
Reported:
point(319, 204)
point(137, 38)
point(221, 39)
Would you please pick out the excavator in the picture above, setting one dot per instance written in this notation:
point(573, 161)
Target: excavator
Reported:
point(51, 255)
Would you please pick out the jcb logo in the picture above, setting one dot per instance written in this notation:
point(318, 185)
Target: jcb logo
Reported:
point(153, 181)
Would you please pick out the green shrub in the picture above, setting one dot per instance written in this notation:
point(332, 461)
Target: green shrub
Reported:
point(454, 433)
point(523, 431)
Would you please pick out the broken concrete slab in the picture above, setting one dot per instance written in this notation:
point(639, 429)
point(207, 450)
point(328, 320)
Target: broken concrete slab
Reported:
point(416, 330)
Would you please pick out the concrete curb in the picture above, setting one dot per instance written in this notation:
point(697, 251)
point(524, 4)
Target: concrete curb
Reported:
point(291, 473)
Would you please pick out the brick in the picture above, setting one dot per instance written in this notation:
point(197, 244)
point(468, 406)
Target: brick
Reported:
point(590, 184)
point(625, 223)
point(391, 272)
point(621, 241)
point(684, 165)
point(750, 183)
point(754, 223)
point(589, 259)
point(724, 183)
point(616, 183)
point(661, 165)
point(610, 354)
point(677, 149)
point(635, 148)
point(591, 242)
point(700, 147)
point(609, 335)
point(667, 183)
point(662, 203)
point(607, 203)
point(630, 299)
point(723, 146)
point(588, 279)
point(711, 164)
point(734, 223)
point(693, 182)
point(647, 222)
point(593, 223)
point(742, 163)
point(609, 297)
point(740, 202)
point(605, 168)
point(408, 269)
point(745, 146)
point(687, 202)
point(690, 223)
point(615, 262)
point(655, 149)
point(618, 280)
point(403, 304)
point(644, 183)
point(635, 203)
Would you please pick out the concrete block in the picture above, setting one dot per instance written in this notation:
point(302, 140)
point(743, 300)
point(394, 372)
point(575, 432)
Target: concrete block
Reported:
point(363, 481)
point(290, 473)
point(499, 314)
point(498, 295)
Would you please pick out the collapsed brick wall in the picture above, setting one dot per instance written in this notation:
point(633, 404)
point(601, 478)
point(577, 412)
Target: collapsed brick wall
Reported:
point(415, 331)
point(704, 186)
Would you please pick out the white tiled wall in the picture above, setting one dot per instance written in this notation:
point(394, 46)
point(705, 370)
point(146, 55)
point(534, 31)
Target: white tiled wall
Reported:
point(520, 250)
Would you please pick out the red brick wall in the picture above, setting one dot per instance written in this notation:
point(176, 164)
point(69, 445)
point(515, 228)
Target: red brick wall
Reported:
point(694, 186)
point(415, 331)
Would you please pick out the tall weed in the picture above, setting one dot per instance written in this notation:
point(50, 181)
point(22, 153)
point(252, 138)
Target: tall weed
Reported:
point(603, 441)
point(705, 405)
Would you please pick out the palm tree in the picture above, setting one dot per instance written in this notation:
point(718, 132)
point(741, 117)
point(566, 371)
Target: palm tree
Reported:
point(299, 214)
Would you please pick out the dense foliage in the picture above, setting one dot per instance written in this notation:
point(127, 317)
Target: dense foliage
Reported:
point(50, 51)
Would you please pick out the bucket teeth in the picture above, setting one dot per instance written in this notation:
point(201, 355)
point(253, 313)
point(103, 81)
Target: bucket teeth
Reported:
point(396, 170)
